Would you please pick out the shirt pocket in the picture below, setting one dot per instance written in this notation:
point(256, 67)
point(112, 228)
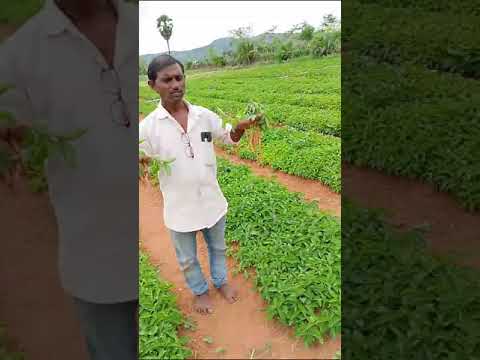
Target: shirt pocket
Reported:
point(207, 153)
point(208, 162)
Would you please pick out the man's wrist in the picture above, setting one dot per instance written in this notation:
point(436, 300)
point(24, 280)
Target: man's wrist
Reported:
point(239, 129)
point(237, 133)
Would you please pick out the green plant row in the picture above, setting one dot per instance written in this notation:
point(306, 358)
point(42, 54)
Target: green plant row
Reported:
point(434, 139)
point(326, 122)
point(300, 67)
point(328, 100)
point(297, 76)
point(460, 7)
point(399, 302)
point(293, 248)
point(410, 35)
point(289, 97)
point(285, 85)
point(159, 317)
point(301, 93)
point(391, 84)
point(305, 154)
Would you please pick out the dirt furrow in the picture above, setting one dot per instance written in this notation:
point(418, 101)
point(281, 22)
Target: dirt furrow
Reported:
point(241, 328)
point(312, 190)
point(412, 204)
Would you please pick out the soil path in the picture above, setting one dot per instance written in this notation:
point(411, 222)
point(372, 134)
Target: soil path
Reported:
point(411, 203)
point(238, 328)
point(39, 316)
point(312, 190)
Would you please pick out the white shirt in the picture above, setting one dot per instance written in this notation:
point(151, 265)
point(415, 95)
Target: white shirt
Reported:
point(192, 196)
point(57, 73)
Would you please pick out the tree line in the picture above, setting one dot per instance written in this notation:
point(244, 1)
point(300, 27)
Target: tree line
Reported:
point(301, 40)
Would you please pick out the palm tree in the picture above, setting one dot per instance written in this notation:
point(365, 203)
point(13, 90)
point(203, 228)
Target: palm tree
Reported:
point(165, 26)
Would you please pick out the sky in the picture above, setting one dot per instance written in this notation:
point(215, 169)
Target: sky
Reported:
point(198, 23)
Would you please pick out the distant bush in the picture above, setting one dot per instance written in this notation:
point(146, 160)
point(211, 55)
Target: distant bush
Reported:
point(245, 52)
point(325, 43)
point(284, 52)
point(302, 40)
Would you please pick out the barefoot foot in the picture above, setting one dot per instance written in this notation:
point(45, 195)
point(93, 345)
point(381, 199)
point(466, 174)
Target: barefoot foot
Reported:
point(229, 293)
point(202, 304)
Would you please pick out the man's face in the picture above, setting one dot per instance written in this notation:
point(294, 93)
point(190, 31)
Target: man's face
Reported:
point(170, 83)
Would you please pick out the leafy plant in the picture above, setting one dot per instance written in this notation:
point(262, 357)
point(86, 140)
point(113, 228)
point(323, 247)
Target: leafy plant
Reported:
point(160, 318)
point(208, 339)
point(154, 167)
point(220, 350)
point(304, 154)
point(399, 301)
point(37, 145)
point(411, 35)
point(157, 166)
point(254, 110)
point(293, 248)
point(415, 123)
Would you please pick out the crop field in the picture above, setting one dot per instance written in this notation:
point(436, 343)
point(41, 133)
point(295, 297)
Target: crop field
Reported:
point(294, 248)
point(289, 248)
point(159, 318)
point(301, 100)
point(378, 313)
point(419, 115)
point(416, 119)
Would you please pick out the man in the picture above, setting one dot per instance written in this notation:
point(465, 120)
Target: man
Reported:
point(74, 66)
point(193, 201)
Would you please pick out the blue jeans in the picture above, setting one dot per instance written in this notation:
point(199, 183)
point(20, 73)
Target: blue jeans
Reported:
point(186, 249)
point(111, 330)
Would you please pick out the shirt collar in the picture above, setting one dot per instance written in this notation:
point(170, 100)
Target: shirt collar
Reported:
point(57, 21)
point(163, 113)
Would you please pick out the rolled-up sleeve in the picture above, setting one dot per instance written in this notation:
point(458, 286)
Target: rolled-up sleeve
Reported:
point(145, 144)
point(219, 132)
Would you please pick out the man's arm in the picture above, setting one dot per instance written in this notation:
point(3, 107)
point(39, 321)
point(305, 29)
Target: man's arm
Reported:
point(237, 133)
point(145, 148)
point(228, 135)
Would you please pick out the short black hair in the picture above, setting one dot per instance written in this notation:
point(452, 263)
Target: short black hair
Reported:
point(160, 62)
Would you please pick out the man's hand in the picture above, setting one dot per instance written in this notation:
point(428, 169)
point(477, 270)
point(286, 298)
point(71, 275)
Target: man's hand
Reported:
point(13, 135)
point(143, 164)
point(250, 122)
point(144, 160)
point(10, 141)
point(237, 133)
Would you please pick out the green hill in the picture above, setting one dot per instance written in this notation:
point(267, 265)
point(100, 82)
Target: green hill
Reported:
point(221, 46)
